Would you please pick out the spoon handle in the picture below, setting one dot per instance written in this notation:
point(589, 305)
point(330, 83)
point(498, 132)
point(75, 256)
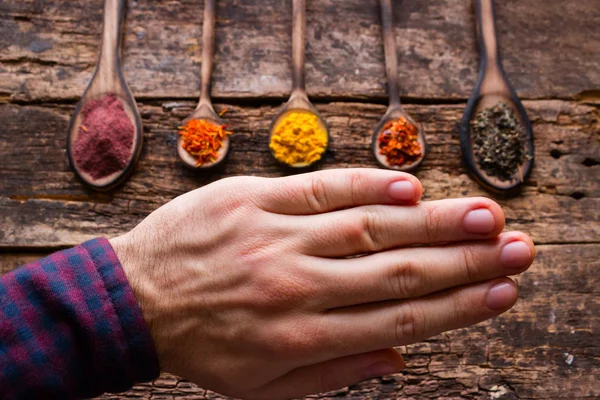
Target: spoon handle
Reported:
point(208, 49)
point(488, 39)
point(391, 57)
point(111, 45)
point(298, 42)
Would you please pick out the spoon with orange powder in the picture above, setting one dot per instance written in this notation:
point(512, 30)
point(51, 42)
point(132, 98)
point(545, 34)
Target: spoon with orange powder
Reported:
point(203, 141)
point(298, 136)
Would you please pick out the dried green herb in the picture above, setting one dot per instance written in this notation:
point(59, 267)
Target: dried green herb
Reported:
point(498, 141)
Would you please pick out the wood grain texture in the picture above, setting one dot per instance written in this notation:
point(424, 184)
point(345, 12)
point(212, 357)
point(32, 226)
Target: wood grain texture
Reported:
point(547, 347)
point(521, 355)
point(49, 48)
point(42, 203)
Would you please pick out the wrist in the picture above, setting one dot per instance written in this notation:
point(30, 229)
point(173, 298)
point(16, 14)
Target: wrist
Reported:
point(138, 268)
point(129, 257)
point(121, 247)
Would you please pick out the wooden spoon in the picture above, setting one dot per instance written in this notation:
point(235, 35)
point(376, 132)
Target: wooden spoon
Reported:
point(493, 87)
point(395, 110)
point(108, 79)
point(298, 100)
point(205, 110)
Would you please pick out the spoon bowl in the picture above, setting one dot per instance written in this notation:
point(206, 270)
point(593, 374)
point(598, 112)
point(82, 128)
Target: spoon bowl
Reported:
point(489, 182)
point(107, 80)
point(394, 113)
point(298, 103)
point(395, 110)
point(204, 110)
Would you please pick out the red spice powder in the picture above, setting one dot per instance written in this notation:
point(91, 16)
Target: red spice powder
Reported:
point(105, 138)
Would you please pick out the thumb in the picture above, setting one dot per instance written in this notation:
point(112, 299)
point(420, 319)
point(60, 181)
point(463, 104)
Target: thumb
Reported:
point(332, 374)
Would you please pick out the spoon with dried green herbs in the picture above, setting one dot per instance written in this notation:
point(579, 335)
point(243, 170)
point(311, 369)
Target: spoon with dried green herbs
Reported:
point(299, 137)
point(203, 138)
point(105, 133)
point(496, 135)
point(398, 142)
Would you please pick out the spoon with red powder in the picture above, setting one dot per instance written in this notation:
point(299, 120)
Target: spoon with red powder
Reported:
point(398, 143)
point(203, 140)
point(105, 133)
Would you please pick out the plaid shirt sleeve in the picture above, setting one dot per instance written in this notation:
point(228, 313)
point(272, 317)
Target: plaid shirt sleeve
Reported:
point(70, 327)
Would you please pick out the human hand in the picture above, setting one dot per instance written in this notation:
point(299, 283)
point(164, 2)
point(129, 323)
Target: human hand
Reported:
point(248, 287)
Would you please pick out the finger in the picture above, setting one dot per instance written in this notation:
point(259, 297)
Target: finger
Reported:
point(415, 272)
point(329, 190)
point(333, 374)
point(374, 228)
point(376, 326)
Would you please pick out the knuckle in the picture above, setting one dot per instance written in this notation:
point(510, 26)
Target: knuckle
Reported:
point(357, 186)
point(315, 194)
point(407, 279)
point(459, 310)
point(434, 220)
point(352, 230)
point(371, 232)
point(470, 264)
point(410, 324)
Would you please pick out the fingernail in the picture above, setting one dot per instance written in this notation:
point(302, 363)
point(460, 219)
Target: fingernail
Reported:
point(501, 296)
point(516, 255)
point(480, 221)
point(402, 190)
point(380, 369)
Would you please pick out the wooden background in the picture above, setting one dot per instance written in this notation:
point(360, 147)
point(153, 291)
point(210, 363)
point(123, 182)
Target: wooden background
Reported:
point(547, 347)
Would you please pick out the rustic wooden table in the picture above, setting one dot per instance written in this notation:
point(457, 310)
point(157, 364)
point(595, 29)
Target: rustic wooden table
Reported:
point(547, 347)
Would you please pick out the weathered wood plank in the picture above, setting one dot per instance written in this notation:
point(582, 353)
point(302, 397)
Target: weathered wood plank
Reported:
point(42, 204)
point(522, 354)
point(48, 49)
point(547, 347)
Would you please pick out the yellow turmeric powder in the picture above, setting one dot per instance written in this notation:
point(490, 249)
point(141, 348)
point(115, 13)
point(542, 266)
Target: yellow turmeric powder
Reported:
point(298, 138)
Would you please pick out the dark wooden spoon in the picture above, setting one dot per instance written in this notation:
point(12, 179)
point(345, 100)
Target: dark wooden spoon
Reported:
point(493, 87)
point(205, 110)
point(108, 79)
point(395, 110)
point(298, 100)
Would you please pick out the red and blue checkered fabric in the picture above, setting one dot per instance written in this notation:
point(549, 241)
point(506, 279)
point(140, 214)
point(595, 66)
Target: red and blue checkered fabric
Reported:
point(70, 327)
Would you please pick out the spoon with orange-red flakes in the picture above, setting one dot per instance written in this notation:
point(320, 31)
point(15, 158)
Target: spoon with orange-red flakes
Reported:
point(203, 140)
point(398, 143)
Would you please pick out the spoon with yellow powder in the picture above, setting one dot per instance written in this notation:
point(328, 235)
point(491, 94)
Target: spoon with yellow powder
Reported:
point(298, 136)
point(203, 141)
point(398, 142)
